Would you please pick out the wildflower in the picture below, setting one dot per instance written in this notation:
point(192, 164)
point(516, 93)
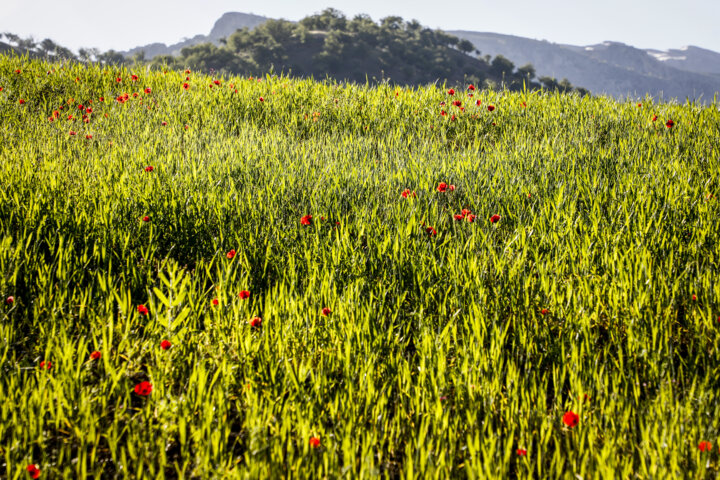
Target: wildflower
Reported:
point(215, 301)
point(143, 388)
point(694, 297)
point(88, 137)
point(95, 355)
point(639, 105)
point(89, 109)
point(314, 442)
point(164, 124)
point(465, 212)
point(72, 133)
point(442, 186)
point(187, 71)
point(216, 82)
point(256, 322)
point(146, 218)
point(165, 344)
point(21, 101)
point(521, 452)
point(244, 294)
point(133, 78)
point(495, 218)
point(230, 254)
point(478, 103)
point(81, 108)
point(306, 220)
point(490, 108)
point(544, 311)
point(326, 311)
point(148, 90)
point(670, 124)
point(458, 216)
point(118, 79)
point(470, 218)
point(654, 118)
point(705, 446)
point(33, 470)
point(262, 99)
point(102, 99)
point(451, 188)
point(186, 86)
point(407, 193)
point(46, 365)
point(18, 71)
point(431, 231)
point(10, 300)
point(457, 103)
point(471, 87)
point(149, 168)
point(142, 310)
point(571, 419)
point(451, 92)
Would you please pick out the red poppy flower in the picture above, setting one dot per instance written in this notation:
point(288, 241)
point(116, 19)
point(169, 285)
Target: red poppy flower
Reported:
point(442, 186)
point(471, 87)
point(451, 92)
point(187, 71)
point(165, 344)
point(164, 124)
point(524, 105)
point(465, 212)
point(244, 294)
point(89, 109)
point(46, 364)
point(88, 136)
point(458, 216)
point(146, 218)
point(230, 254)
point(326, 311)
point(705, 446)
point(470, 218)
point(72, 133)
point(431, 231)
point(143, 388)
point(118, 79)
point(495, 219)
point(670, 124)
point(149, 168)
point(639, 105)
point(148, 90)
point(490, 108)
point(478, 103)
point(10, 300)
point(216, 82)
point(521, 452)
point(306, 220)
point(133, 78)
point(407, 193)
point(654, 118)
point(544, 311)
point(21, 101)
point(443, 113)
point(457, 103)
point(452, 118)
point(571, 419)
point(314, 442)
point(95, 355)
point(186, 86)
point(451, 188)
point(256, 322)
point(694, 297)
point(33, 470)
point(142, 310)
point(18, 71)
point(215, 301)
point(80, 107)
point(102, 99)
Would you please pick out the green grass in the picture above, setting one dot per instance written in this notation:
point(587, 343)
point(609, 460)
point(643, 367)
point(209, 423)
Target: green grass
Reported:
point(437, 359)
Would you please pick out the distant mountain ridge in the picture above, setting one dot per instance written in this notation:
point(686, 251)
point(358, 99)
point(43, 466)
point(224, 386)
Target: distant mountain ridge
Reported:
point(610, 68)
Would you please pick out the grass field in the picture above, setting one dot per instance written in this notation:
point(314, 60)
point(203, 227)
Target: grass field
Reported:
point(324, 324)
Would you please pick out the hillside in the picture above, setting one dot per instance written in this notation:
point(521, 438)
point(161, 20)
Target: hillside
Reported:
point(229, 277)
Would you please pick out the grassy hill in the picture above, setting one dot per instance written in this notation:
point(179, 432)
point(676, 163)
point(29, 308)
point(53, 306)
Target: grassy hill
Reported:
point(239, 277)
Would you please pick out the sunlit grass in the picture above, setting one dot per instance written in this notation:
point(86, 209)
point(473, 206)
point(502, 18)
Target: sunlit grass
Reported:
point(596, 292)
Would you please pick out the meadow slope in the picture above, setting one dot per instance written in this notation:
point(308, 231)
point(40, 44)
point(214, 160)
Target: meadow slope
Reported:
point(327, 314)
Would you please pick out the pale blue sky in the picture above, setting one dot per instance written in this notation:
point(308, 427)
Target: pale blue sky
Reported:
point(123, 24)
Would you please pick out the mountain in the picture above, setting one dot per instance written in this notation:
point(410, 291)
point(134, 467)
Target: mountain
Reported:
point(611, 68)
point(224, 27)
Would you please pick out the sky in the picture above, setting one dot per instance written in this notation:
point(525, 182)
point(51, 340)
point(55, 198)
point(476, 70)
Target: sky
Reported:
point(104, 24)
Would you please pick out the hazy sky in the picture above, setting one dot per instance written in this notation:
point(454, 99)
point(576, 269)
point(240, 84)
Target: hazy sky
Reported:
point(124, 24)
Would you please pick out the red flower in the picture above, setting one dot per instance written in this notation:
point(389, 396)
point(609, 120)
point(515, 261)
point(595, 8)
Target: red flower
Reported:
point(544, 311)
point(215, 301)
point(72, 133)
point(165, 344)
point(95, 355)
point(146, 218)
point(470, 218)
point(244, 294)
point(639, 105)
point(495, 219)
point(102, 99)
point(458, 216)
point(670, 124)
point(262, 99)
point(443, 113)
point(216, 82)
point(521, 452)
point(705, 446)
point(143, 388)
point(694, 297)
point(18, 71)
point(187, 71)
point(164, 124)
point(478, 103)
point(148, 90)
point(431, 231)
point(149, 168)
point(451, 92)
point(451, 188)
point(654, 118)
point(10, 300)
point(133, 78)
point(186, 86)
point(80, 107)
point(306, 220)
point(326, 311)
point(314, 442)
point(457, 103)
point(465, 212)
point(491, 108)
point(571, 419)
point(21, 101)
point(46, 364)
point(118, 79)
point(88, 136)
point(471, 87)
point(442, 186)
point(142, 310)
point(407, 193)
point(230, 254)
point(33, 470)
point(256, 322)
